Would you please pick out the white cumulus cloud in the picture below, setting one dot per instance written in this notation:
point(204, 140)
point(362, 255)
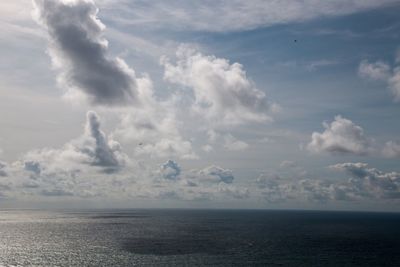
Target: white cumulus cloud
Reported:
point(340, 136)
point(223, 93)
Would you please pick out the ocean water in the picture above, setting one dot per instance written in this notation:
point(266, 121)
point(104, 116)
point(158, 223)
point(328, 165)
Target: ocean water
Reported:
point(198, 238)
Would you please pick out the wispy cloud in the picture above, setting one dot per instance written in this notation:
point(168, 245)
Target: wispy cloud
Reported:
point(312, 65)
point(236, 15)
point(381, 71)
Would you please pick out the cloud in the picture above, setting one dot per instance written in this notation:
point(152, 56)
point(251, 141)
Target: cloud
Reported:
point(292, 168)
point(93, 148)
point(3, 167)
point(233, 15)
point(16, 23)
point(154, 131)
point(394, 84)
point(397, 58)
point(275, 189)
point(212, 174)
point(391, 149)
point(168, 147)
point(207, 148)
point(375, 71)
point(33, 166)
point(212, 135)
point(371, 182)
point(383, 72)
point(315, 65)
point(80, 168)
point(79, 49)
point(210, 183)
point(342, 136)
point(16, 11)
point(233, 144)
point(287, 164)
point(309, 65)
point(56, 193)
point(233, 191)
point(364, 183)
point(222, 92)
point(316, 190)
point(104, 152)
point(170, 170)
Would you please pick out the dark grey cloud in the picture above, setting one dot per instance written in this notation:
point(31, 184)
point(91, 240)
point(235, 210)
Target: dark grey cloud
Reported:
point(79, 49)
point(103, 151)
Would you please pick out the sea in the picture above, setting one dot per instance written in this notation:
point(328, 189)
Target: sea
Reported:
point(198, 238)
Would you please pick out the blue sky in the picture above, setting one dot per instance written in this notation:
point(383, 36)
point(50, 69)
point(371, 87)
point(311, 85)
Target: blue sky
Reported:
point(208, 104)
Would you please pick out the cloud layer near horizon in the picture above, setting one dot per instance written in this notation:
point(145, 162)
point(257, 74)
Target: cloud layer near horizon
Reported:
point(95, 166)
point(364, 183)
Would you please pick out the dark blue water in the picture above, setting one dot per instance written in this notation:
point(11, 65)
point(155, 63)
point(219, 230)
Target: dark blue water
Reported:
point(199, 238)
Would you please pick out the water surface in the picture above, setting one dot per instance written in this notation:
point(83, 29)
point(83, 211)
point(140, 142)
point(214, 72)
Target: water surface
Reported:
point(198, 238)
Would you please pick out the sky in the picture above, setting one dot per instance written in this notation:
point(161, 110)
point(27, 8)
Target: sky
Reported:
point(201, 104)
